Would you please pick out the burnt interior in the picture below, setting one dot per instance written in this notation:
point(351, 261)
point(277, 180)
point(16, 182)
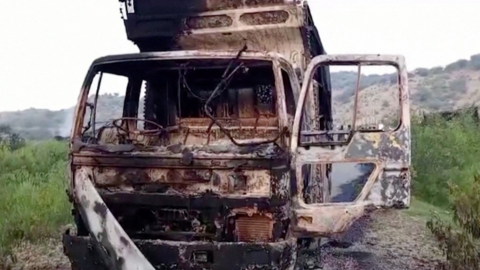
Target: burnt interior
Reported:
point(241, 99)
point(217, 223)
point(186, 90)
point(175, 97)
point(205, 218)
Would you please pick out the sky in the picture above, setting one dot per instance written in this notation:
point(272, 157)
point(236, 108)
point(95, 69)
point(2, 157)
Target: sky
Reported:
point(47, 46)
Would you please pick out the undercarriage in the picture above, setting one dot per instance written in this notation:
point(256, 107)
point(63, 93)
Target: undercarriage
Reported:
point(190, 255)
point(194, 232)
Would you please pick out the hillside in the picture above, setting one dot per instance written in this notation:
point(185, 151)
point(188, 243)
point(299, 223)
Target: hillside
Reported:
point(454, 86)
point(437, 89)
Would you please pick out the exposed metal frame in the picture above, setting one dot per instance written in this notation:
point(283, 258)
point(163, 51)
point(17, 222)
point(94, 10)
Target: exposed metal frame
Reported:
point(390, 151)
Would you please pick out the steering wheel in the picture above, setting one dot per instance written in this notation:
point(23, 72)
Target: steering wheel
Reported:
point(150, 132)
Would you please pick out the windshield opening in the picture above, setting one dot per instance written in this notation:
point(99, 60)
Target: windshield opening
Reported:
point(162, 102)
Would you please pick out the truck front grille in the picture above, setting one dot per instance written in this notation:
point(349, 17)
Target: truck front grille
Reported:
point(255, 228)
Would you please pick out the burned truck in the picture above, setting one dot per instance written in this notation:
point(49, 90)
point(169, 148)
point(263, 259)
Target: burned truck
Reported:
point(224, 161)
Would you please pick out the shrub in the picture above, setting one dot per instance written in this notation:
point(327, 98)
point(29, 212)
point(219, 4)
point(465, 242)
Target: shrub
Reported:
point(459, 85)
point(435, 70)
point(422, 95)
point(475, 62)
point(460, 241)
point(458, 65)
point(444, 151)
point(9, 139)
point(423, 72)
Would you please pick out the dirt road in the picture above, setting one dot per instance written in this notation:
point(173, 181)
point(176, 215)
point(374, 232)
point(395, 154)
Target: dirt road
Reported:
point(388, 240)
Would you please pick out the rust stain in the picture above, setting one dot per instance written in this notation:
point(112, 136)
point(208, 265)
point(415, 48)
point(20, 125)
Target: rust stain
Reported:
point(255, 228)
point(187, 181)
point(262, 18)
point(209, 22)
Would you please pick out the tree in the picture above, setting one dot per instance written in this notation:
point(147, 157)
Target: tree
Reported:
point(9, 139)
point(435, 70)
point(475, 62)
point(423, 72)
point(4, 129)
point(458, 65)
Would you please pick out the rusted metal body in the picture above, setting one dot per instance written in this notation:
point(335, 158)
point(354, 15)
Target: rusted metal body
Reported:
point(282, 26)
point(236, 196)
point(390, 151)
point(253, 190)
point(217, 181)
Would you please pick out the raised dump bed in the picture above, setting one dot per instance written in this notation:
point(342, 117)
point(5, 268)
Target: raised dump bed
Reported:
point(282, 26)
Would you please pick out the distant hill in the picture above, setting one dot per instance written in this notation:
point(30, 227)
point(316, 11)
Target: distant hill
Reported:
point(43, 124)
point(454, 86)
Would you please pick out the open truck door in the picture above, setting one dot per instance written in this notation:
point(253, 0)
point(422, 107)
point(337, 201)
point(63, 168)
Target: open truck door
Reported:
point(388, 150)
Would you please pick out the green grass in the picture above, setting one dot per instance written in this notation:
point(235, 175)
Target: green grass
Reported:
point(33, 202)
point(444, 151)
point(424, 211)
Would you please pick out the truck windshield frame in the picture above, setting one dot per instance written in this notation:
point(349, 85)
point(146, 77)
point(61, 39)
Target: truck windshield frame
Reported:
point(133, 65)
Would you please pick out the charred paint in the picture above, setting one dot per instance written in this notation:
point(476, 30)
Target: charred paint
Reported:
point(390, 151)
point(209, 22)
point(180, 255)
point(384, 146)
point(392, 189)
point(193, 181)
point(261, 18)
point(105, 229)
point(100, 209)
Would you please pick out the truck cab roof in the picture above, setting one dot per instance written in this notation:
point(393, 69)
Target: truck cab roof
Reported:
point(189, 54)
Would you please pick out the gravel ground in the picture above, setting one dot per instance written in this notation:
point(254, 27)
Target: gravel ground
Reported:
point(47, 255)
point(388, 239)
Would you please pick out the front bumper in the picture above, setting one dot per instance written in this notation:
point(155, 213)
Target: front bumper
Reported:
point(83, 254)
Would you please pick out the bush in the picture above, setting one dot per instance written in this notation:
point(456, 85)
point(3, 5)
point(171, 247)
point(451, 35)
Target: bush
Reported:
point(445, 156)
point(33, 204)
point(458, 65)
point(475, 62)
point(459, 85)
point(435, 70)
point(10, 139)
point(422, 95)
point(422, 72)
point(444, 151)
point(460, 241)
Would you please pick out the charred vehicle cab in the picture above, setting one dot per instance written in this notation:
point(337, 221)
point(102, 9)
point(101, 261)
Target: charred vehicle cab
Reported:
point(221, 157)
